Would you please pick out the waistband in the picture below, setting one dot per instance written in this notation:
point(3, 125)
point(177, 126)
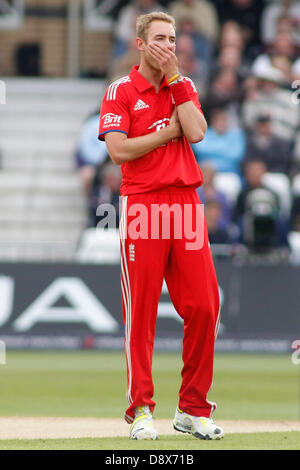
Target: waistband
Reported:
point(167, 190)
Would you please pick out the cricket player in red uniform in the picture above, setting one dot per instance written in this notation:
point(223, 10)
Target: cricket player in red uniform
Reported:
point(148, 119)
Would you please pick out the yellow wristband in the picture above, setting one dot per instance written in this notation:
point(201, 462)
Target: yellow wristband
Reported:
point(173, 78)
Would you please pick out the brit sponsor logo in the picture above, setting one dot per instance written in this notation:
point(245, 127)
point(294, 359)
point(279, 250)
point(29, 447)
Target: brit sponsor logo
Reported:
point(111, 119)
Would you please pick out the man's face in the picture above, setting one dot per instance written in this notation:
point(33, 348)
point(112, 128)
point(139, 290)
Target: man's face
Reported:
point(220, 122)
point(242, 3)
point(162, 33)
point(264, 128)
point(254, 173)
point(113, 180)
point(267, 86)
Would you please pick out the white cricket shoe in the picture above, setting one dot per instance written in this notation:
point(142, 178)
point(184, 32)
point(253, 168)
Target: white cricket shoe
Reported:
point(200, 427)
point(143, 426)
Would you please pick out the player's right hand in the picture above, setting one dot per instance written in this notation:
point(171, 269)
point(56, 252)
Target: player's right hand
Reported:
point(175, 125)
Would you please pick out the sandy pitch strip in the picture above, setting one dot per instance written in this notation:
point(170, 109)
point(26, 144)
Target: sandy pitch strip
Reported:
point(63, 428)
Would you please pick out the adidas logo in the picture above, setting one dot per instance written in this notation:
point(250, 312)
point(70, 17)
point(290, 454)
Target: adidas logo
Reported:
point(140, 105)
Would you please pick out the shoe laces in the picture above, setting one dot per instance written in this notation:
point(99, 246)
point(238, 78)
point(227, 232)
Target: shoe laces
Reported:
point(204, 421)
point(142, 410)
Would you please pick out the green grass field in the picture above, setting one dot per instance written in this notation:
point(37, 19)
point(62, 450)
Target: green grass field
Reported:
point(93, 384)
point(259, 441)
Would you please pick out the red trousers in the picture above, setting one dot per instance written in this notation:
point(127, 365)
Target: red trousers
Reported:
point(150, 253)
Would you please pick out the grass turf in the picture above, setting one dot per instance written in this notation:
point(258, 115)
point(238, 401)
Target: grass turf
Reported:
point(93, 384)
point(254, 441)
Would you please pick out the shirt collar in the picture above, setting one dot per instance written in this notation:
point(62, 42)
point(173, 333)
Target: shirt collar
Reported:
point(141, 83)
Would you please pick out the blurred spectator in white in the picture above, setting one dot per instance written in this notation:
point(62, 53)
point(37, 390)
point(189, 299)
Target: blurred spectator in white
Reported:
point(201, 13)
point(272, 14)
point(247, 13)
point(217, 232)
point(283, 64)
point(272, 150)
point(125, 27)
point(257, 211)
point(90, 152)
point(208, 191)
point(107, 191)
point(223, 146)
point(283, 55)
point(271, 98)
point(225, 92)
point(284, 25)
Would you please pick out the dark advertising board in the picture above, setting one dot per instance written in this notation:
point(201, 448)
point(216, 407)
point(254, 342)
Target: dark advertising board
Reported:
point(73, 306)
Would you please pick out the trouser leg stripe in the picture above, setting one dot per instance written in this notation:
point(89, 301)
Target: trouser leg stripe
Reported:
point(125, 284)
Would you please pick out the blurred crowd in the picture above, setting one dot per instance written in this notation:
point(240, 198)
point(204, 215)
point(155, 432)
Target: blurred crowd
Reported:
point(243, 56)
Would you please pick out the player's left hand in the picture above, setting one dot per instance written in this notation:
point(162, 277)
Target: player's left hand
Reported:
point(165, 58)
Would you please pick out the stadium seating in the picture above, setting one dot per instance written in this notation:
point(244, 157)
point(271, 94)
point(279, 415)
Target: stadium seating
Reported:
point(42, 209)
point(229, 184)
point(296, 185)
point(280, 184)
point(99, 246)
point(294, 242)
